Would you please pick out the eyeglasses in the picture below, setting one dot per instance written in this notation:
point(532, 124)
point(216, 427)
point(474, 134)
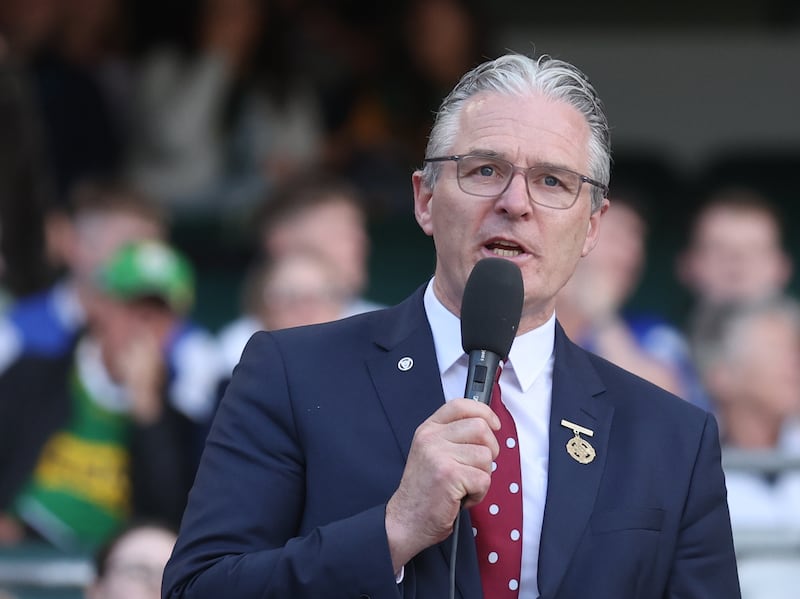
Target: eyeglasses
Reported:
point(489, 176)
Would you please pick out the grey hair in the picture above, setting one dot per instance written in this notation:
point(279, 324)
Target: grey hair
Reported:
point(518, 74)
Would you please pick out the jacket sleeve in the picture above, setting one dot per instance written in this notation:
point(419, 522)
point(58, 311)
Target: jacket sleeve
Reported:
point(241, 532)
point(704, 565)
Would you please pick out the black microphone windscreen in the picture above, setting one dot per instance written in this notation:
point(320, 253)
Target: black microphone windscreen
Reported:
point(491, 306)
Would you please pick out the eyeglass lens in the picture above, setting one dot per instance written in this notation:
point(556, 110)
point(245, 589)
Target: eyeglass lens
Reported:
point(490, 176)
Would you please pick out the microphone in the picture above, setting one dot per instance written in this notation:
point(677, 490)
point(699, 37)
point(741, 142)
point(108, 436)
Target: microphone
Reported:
point(490, 311)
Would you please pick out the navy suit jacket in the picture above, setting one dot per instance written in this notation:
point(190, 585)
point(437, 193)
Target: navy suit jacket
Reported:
point(312, 436)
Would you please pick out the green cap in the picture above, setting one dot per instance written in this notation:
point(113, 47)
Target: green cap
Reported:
point(149, 269)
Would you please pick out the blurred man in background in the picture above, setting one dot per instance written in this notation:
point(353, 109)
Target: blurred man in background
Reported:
point(735, 251)
point(101, 217)
point(749, 355)
point(591, 304)
point(320, 214)
point(116, 434)
point(131, 564)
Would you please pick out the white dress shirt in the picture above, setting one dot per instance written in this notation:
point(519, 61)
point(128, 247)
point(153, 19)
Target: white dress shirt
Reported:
point(526, 386)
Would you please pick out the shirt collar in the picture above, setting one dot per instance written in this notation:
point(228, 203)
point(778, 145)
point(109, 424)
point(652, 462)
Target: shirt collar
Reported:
point(530, 352)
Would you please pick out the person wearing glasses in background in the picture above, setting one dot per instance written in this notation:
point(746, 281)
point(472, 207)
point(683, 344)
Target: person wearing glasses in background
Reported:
point(343, 453)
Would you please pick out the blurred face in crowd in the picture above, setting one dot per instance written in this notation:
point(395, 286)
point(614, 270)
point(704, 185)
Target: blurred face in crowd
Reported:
point(120, 327)
point(301, 289)
point(441, 40)
point(762, 371)
point(83, 245)
point(612, 270)
point(336, 230)
point(135, 566)
point(735, 256)
point(545, 243)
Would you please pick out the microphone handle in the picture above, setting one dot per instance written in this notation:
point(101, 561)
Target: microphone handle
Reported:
point(483, 366)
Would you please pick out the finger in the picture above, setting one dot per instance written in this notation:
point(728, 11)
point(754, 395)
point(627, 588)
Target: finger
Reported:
point(432, 436)
point(460, 408)
point(475, 456)
point(476, 483)
point(471, 431)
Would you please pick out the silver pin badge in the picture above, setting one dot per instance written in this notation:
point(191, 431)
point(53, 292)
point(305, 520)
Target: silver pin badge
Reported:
point(406, 363)
point(577, 447)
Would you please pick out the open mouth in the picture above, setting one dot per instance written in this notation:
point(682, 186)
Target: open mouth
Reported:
point(504, 249)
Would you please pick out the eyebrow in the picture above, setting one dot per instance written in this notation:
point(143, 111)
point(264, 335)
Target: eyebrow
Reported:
point(495, 154)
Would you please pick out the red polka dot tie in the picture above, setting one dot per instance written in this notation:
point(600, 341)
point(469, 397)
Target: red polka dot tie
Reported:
point(497, 520)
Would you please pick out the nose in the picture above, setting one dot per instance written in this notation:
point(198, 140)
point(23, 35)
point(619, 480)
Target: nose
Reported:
point(515, 200)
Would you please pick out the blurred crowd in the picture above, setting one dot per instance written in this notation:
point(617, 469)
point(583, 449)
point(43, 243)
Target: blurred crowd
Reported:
point(300, 120)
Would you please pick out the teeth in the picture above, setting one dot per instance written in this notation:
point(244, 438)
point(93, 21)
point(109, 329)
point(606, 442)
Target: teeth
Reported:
point(504, 253)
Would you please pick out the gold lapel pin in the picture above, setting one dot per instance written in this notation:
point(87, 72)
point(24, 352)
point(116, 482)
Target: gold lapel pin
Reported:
point(577, 447)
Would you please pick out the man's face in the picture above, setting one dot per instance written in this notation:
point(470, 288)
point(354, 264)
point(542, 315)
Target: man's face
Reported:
point(113, 324)
point(546, 243)
point(736, 256)
point(764, 372)
point(302, 289)
point(335, 229)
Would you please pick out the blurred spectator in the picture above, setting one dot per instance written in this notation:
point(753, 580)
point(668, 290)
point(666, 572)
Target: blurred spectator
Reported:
point(296, 288)
point(222, 118)
point(131, 565)
point(151, 288)
point(319, 214)
point(101, 217)
point(28, 25)
point(443, 39)
point(590, 306)
point(735, 251)
point(749, 356)
point(299, 288)
point(131, 416)
point(74, 53)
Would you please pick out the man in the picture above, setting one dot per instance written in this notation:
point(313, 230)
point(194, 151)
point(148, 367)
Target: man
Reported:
point(335, 468)
point(100, 217)
point(750, 362)
point(115, 435)
point(591, 305)
point(320, 214)
point(735, 253)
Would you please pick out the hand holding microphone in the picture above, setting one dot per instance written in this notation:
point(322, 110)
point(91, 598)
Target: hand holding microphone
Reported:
point(452, 451)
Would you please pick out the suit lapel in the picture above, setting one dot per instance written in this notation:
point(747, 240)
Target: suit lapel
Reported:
point(410, 395)
point(406, 374)
point(571, 486)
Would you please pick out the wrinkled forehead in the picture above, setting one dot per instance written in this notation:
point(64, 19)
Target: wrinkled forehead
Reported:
point(527, 128)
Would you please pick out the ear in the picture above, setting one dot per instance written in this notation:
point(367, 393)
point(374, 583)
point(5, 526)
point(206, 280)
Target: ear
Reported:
point(593, 228)
point(423, 196)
